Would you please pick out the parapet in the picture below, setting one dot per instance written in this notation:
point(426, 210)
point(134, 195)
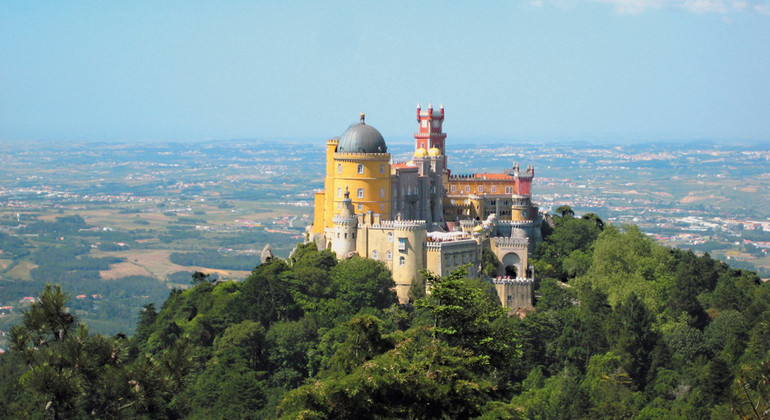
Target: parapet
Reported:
point(506, 242)
point(448, 245)
point(344, 220)
point(513, 280)
point(402, 225)
point(360, 156)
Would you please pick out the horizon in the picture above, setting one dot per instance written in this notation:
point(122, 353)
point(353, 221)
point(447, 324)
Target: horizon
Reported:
point(545, 71)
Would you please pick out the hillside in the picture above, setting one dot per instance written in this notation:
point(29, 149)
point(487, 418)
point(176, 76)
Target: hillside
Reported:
point(622, 328)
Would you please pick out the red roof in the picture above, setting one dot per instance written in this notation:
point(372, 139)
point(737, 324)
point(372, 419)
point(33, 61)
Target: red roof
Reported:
point(402, 165)
point(494, 176)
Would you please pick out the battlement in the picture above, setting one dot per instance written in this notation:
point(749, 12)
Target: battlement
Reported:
point(335, 140)
point(513, 281)
point(522, 224)
point(446, 245)
point(507, 242)
point(361, 156)
point(409, 225)
point(344, 220)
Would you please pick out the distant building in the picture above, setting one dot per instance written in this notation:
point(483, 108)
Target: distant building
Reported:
point(417, 215)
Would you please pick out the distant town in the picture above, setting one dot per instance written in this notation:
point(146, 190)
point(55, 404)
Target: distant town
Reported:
point(155, 213)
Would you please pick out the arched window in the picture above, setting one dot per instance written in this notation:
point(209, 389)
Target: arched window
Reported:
point(390, 255)
point(382, 192)
point(360, 207)
point(390, 236)
point(374, 254)
point(481, 188)
point(339, 168)
point(382, 168)
point(360, 168)
point(401, 261)
point(339, 192)
point(454, 188)
point(467, 188)
point(360, 193)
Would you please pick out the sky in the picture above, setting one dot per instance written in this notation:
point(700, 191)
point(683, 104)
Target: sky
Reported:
point(520, 70)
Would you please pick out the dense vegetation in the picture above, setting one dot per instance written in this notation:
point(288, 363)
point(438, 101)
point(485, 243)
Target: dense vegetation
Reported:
point(623, 328)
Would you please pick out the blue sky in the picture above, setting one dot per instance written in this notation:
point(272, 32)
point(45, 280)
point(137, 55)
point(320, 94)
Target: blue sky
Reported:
point(525, 70)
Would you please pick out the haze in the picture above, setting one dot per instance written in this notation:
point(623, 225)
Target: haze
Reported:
point(620, 70)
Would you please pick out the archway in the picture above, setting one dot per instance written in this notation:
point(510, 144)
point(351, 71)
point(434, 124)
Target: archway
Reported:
point(512, 265)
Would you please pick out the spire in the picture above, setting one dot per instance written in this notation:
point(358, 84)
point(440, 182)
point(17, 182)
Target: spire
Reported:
point(363, 117)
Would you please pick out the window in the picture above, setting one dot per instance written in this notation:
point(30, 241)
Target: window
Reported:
point(402, 244)
point(382, 192)
point(481, 188)
point(390, 236)
point(339, 206)
point(467, 188)
point(360, 193)
point(360, 168)
point(382, 168)
point(494, 188)
point(339, 192)
point(390, 255)
point(374, 254)
point(401, 261)
point(454, 188)
point(382, 206)
point(509, 190)
point(360, 207)
point(339, 168)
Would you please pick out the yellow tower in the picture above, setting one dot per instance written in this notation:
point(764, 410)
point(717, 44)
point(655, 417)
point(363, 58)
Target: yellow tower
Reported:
point(359, 162)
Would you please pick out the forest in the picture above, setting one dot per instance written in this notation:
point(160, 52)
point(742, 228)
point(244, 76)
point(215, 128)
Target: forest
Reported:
point(622, 328)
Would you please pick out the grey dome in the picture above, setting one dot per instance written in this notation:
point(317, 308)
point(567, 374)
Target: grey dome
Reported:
point(361, 138)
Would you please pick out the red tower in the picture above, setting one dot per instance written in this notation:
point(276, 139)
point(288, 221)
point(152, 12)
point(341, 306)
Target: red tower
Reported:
point(430, 133)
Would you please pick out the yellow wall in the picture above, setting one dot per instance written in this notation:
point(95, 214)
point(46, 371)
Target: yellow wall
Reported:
point(318, 212)
point(374, 181)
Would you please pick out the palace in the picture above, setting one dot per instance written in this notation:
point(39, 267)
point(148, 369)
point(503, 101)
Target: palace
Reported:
point(417, 215)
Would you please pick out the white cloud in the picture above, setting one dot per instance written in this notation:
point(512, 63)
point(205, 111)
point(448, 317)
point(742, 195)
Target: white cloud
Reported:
point(705, 6)
point(630, 7)
point(739, 5)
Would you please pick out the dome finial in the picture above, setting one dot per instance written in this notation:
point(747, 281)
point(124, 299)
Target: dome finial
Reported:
point(363, 117)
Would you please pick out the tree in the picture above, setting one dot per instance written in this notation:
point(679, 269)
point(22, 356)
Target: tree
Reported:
point(463, 314)
point(421, 377)
point(565, 211)
point(199, 277)
point(70, 369)
point(360, 283)
point(631, 326)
